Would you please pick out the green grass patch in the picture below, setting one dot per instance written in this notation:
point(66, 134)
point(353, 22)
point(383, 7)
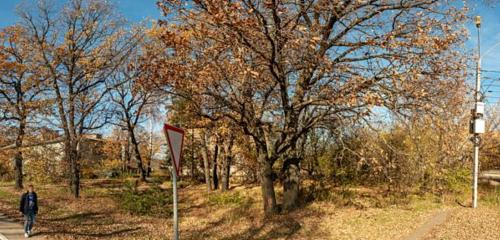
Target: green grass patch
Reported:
point(95, 192)
point(226, 198)
point(423, 203)
point(152, 201)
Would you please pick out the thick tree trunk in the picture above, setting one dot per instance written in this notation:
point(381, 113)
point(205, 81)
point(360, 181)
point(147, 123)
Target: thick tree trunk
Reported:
point(18, 158)
point(290, 174)
point(137, 155)
point(18, 169)
point(267, 185)
point(214, 173)
point(72, 158)
point(291, 183)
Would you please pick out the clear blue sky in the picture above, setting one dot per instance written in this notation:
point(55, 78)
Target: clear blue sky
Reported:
point(490, 37)
point(133, 10)
point(139, 10)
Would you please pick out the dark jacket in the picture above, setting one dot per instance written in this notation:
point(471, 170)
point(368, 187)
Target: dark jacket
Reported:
point(24, 205)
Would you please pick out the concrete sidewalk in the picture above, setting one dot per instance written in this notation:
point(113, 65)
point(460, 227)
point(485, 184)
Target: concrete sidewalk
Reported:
point(10, 230)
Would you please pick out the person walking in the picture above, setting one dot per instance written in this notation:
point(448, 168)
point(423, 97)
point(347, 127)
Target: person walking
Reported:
point(29, 208)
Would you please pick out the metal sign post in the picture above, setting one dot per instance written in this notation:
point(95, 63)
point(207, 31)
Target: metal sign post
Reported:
point(175, 139)
point(176, 218)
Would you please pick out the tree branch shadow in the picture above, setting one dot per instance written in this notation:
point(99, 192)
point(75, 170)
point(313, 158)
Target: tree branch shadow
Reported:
point(97, 235)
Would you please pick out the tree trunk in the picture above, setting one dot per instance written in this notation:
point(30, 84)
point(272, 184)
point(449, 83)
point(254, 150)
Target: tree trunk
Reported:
point(206, 162)
point(148, 170)
point(267, 184)
point(193, 157)
point(290, 174)
point(72, 157)
point(18, 167)
point(223, 155)
point(226, 164)
point(18, 158)
point(214, 173)
point(128, 156)
point(137, 155)
point(193, 165)
point(206, 168)
point(291, 183)
point(123, 157)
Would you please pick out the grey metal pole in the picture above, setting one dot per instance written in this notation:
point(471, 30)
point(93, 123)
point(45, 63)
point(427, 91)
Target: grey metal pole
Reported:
point(176, 219)
point(475, 173)
point(475, 168)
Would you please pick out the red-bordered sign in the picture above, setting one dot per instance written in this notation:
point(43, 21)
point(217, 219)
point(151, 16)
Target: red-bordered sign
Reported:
point(175, 139)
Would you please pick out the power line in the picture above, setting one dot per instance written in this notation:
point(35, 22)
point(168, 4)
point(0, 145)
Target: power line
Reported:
point(491, 79)
point(491, 71)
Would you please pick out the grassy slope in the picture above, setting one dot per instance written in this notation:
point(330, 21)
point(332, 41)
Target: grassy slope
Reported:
point(233, 216)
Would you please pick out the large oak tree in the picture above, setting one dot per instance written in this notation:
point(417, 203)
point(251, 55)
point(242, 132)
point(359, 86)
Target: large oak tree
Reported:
point(278, 68)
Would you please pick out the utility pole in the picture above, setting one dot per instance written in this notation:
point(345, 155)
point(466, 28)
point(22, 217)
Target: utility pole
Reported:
point(150, 142)
point(477, 122)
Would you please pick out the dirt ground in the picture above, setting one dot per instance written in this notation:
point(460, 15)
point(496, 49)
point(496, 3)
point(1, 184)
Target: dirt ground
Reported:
point(96, 215)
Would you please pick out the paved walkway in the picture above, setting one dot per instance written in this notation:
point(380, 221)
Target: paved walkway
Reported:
point(10, 230)
point(438, 219)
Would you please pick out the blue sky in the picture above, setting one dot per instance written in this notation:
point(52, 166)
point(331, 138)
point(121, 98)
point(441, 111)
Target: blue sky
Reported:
point(141, 10)
point(490, 46)
point(133, 10)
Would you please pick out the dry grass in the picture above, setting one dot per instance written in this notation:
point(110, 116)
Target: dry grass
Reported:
point(97, 215)
point(466, 223)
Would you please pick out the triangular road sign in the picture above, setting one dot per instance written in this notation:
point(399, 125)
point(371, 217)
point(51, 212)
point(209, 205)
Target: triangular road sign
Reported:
point(175, 139)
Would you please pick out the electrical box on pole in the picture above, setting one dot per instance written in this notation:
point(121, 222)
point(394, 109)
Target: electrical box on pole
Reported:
point(479, 126)
point(479, 109)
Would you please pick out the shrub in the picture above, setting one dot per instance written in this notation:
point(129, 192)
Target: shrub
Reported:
point(152, 201)
point(457, 181)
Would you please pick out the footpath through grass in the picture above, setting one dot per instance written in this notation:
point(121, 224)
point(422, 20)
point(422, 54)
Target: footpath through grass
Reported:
point(114, 209)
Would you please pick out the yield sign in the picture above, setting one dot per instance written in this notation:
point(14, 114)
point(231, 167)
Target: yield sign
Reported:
point(175, 139)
